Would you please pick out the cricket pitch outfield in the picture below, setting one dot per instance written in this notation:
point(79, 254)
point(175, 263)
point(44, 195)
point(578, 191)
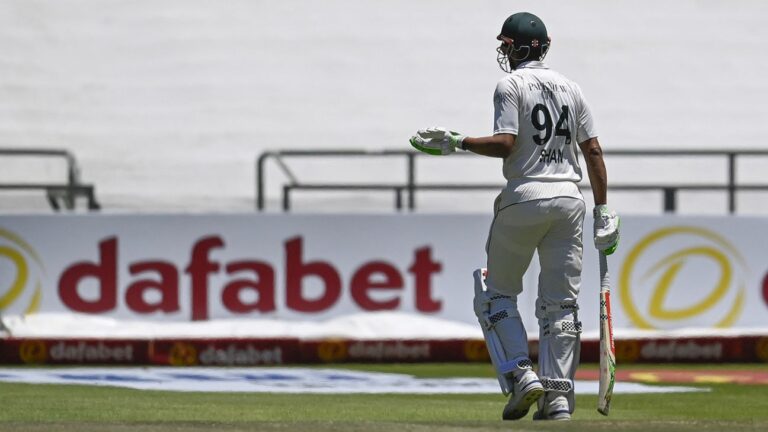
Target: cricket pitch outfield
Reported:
point(43, 407)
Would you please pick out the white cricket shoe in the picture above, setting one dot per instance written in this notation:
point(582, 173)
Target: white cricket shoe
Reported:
point(527, 391)
point(554, 409)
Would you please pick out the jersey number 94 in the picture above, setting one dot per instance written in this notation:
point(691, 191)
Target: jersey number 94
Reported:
point(541, 119)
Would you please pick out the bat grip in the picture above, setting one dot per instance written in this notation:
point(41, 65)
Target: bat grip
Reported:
point(605, 281)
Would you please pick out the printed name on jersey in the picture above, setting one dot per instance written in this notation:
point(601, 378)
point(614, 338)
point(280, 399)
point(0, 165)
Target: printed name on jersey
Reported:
point(548, 87)
point(551, 156)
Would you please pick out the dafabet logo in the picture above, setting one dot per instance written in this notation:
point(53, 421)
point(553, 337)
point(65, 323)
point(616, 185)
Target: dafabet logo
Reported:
point(683, 276)
point(21, 271)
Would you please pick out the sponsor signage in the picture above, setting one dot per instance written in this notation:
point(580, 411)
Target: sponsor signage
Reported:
point(690, 275)
point(669, 272)
point(684, 350)
point(232, 352)
point(79, 351)
point(224, 352)
point(287, 380)
point(393, 351)
point(189, 267)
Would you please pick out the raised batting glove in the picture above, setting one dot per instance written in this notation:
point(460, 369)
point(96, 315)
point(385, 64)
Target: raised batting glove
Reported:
point(437, 141)
point(606, 229)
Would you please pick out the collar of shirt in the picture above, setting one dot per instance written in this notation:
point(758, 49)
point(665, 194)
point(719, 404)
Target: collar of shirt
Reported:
point(532, 65)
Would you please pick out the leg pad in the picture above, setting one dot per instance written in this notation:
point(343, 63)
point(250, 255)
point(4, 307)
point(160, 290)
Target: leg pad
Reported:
point(503, 331)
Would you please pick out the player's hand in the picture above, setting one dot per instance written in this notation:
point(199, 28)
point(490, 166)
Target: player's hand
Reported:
point(437, 141)
point(606, 229)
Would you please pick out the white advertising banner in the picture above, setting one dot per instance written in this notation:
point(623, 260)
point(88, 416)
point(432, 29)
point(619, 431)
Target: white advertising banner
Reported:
point(669, 272)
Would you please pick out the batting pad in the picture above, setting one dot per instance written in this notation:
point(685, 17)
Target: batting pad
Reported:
point(559, 350)
point(503, 330)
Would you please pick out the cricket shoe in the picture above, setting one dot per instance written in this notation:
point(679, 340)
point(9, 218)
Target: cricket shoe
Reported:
point(555, 409)
point(527, 391)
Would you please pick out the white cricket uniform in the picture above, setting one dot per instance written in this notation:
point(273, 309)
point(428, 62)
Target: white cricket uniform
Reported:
point(541, 208)
point(549, 116)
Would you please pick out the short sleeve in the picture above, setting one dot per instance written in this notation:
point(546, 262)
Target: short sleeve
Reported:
point(506, 101)
point(586, 124)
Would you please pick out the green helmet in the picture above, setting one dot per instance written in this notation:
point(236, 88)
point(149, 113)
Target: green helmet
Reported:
point(529, 40)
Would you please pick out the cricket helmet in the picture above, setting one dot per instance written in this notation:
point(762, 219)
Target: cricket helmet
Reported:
point(524, 37)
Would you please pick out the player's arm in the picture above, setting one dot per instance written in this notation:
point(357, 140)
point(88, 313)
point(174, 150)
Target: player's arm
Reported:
point(440, 141)
point(606, 221)
point(598, 178)
point(499, 145)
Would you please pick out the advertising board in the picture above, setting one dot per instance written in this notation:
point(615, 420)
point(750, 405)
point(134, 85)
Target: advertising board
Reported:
point(669, 272)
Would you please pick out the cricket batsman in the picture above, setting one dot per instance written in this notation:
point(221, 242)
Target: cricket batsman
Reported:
point(540, 117)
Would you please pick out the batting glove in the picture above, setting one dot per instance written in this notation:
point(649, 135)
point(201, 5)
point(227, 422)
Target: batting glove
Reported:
point(437, 141)
point(606, 229)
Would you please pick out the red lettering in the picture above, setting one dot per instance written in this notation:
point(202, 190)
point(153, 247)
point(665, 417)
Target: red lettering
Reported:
point(311, 286)
point(422, 269)
point(167, 286)
point(264, 285)
point(296, 271)
point(363, 282)
point(199, 268)
point(104, 271)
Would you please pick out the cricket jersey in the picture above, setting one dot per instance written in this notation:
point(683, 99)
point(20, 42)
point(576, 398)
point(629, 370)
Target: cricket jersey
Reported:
point(548, 114)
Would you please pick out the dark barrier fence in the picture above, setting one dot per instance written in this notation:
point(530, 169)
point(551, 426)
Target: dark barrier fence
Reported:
point(408, 188)
point(63, 194)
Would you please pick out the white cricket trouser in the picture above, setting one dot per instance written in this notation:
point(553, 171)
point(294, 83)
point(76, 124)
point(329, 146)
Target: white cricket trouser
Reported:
point(554, 227)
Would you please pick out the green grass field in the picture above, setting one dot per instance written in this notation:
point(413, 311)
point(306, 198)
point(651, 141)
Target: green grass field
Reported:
point(82, 408)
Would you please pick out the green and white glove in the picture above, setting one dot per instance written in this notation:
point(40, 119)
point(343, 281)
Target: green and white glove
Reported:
point(606, 229)
point(437, 141)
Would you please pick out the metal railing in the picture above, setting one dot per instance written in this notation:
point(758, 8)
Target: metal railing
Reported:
point(59, 195)
point(410, 186)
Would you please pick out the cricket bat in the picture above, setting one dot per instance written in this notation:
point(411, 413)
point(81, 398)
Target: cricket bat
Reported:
point(607, 350)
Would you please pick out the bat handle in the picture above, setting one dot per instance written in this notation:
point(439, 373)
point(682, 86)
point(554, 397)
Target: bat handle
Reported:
point(605, 282)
